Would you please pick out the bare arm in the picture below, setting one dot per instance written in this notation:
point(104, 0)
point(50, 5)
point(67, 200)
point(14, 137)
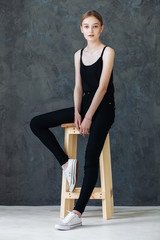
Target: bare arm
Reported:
point(77, 91)
point(78, 85)
point(108, 61)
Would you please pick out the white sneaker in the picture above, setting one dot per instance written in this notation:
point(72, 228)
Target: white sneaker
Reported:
point(71, 173)
point(70, 221)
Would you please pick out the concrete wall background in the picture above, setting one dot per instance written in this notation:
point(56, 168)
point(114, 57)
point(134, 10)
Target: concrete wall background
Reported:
point(37, 41)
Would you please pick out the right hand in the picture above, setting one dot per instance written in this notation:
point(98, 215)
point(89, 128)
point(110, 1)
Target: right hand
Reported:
point(77, 120)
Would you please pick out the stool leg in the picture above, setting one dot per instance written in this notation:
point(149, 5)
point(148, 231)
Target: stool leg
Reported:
point(106, 181)
point(110, 168)
point(70, 148)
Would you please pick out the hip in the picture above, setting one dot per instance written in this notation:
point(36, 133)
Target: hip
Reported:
point(107, 104)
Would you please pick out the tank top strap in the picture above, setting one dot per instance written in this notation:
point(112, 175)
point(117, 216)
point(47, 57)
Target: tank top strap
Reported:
point(103, 50)
point(81, 54)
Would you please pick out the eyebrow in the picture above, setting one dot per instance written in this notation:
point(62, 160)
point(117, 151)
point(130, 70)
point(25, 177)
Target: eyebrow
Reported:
point(92, 24)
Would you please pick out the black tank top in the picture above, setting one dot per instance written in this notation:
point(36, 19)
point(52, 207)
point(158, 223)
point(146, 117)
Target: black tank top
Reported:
point(91, 74)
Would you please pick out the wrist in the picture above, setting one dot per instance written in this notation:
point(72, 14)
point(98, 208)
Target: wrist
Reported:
point(76, 111)
point(88, 118)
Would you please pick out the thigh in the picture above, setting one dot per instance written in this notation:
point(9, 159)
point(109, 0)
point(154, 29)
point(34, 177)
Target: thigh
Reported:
point(101, 123)
point(55, 118)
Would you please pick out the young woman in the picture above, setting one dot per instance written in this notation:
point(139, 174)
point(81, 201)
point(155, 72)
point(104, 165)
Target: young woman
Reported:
point(93, 113)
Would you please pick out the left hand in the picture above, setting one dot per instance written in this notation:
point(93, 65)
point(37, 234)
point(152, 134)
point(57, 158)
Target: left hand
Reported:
point(85, 126)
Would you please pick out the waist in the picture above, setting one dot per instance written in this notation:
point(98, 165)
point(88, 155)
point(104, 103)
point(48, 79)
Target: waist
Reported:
point(108, 93)
point(85, 92)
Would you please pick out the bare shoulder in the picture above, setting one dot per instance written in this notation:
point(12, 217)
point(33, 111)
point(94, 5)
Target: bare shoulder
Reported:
point(109, 51)
point(109, 54)
point(77, 55)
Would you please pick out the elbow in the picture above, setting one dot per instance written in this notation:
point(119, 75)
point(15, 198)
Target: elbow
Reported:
point(103, 89)
point(78, 89)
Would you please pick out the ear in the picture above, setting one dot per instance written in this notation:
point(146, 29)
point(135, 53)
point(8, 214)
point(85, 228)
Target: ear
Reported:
point(81, 29)
point(102, 28)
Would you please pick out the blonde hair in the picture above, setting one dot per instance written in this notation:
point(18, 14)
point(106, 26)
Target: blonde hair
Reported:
point(92, 13)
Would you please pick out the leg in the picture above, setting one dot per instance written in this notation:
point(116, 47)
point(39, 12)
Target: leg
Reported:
point(101, 124)
point(40, 126)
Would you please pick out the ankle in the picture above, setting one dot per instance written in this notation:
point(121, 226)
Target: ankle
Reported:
point(64, 166)
point(77, 212)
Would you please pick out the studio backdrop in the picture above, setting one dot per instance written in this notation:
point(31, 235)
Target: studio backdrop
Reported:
point(38, 40)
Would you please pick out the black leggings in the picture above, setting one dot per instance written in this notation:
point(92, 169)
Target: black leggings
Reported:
point(102, 121)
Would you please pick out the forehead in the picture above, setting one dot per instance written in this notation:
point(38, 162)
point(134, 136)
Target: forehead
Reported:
point(90, 20)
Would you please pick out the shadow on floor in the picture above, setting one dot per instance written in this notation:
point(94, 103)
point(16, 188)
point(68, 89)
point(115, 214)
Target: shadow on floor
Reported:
point(125, 212)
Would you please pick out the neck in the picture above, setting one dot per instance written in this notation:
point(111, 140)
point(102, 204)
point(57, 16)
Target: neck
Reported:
point(93, 45)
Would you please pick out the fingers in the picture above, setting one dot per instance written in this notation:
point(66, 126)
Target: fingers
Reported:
point(78, 124)
point(83, 127)
point(84, 132)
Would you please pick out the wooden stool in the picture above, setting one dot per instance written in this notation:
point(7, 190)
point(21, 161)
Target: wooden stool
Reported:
point(105, 192)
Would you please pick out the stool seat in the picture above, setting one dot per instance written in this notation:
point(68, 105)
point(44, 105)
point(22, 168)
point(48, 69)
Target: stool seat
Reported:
point(105, 192)
point(68, 125)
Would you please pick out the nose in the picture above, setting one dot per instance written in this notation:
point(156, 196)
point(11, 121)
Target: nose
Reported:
point(90, 29)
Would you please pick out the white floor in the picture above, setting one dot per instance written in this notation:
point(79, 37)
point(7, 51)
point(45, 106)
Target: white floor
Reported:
point(37, 223)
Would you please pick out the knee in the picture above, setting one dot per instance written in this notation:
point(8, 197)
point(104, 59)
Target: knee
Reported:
point(34, 123)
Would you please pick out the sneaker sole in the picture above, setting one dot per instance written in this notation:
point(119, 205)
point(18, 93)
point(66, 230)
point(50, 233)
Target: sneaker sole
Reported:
point(77, 165)
point(59, 227)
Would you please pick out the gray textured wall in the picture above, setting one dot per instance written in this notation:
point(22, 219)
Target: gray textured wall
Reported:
point(37, 41)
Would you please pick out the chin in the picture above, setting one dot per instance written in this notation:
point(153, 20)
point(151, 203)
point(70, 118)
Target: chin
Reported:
point(92, 39)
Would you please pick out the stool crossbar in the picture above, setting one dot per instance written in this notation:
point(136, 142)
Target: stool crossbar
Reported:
point(105, 192)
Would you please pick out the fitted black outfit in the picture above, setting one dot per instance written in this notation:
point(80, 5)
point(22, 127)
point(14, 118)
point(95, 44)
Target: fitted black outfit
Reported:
point(102, 121)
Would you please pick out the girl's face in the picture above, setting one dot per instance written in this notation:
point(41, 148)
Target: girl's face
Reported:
point(91, 28)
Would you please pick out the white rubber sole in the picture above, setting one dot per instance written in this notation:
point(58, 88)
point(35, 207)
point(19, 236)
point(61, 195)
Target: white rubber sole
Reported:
point(71, 189)
point(67, 227)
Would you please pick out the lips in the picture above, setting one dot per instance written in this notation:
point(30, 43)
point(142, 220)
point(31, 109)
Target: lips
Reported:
point(91, 35)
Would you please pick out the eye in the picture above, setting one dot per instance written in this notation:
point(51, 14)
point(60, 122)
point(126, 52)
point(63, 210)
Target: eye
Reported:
point(95, 26)
point(86, 26)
